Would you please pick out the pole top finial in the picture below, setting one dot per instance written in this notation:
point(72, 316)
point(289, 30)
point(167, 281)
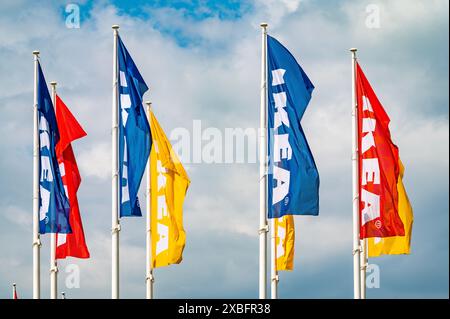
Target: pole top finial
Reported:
point(353, 49)
point(115, 26)
point(14, 284)
point(148, 103)
point(53, 83)
point(36, 52)
point(263, 25)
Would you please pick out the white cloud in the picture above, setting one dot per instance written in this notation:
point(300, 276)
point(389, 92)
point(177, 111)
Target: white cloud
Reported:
point(96, 161)
point(216, 79)
point(17, 215)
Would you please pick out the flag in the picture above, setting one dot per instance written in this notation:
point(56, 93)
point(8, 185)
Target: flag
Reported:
point(169, 184)
point(284, 242)
point(395, 245)
point(15, 292)
point(134, 133)
point(379, 168)
point(53, 203)
point(73, 244)
point(293, 180)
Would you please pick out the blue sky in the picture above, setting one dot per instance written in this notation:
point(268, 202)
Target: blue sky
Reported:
point(201, 61)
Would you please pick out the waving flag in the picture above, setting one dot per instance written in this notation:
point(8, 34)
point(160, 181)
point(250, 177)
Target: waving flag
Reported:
point(285, 239)
point(54, 205)
point(73, 244)
point(395, 245)
point(169, 184)
point(15, 292)
point(134, 133)
point(293, 180)
point(379, 169)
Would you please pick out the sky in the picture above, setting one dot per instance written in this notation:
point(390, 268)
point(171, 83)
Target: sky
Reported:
point(201, 60)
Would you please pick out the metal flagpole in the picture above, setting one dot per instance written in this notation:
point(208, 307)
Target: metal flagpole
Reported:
point(149, 279)
point(36, 237)
point(363, 262)
point(355, 170)
point(53, 262)
point(263, 227)
point(273, 261)
point(115, 173)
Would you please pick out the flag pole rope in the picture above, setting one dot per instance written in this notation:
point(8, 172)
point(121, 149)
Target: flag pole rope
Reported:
point(264, 229)
point(116, 229)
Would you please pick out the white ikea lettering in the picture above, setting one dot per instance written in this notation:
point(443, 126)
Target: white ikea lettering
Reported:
point(281, 231)
point(278, 76)
point(46, 168)
point(62, 170)
point(123, 79)
point(62, 238)
point(161, 177)
point(371, 209)
point(44, 140)
point(281, 116)
point(366, 104)
point(163, 243)
point(45, 203)
point(162, 206)
point(282, 177)
point(370, 171)
point(124, 181)
point(281, 148)
point(368, 141)
point(125, 102)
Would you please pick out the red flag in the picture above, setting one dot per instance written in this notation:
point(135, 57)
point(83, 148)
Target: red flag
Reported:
point(72, 244)
point(15, 292)
point(378, 166)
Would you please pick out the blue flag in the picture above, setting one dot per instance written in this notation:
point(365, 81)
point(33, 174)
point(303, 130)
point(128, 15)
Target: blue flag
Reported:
point(293, 180)
point(54, 205)
point(134, 133)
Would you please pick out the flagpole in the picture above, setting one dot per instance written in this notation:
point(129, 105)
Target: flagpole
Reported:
point(263, 227)
point(115, 173)
point(363, 267)
point(355, 179)
point(149, 279)
point(273, 260)
point(36, 237)
point(53, 262)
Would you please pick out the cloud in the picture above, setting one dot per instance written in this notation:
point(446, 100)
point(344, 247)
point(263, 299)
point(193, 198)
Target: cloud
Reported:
point(18, 216)
point(96, 161)
point(208, 68)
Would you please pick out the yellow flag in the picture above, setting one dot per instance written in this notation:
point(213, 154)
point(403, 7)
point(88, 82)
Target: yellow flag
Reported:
point(398, 244)
point(284, 239)
point(169, 184)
